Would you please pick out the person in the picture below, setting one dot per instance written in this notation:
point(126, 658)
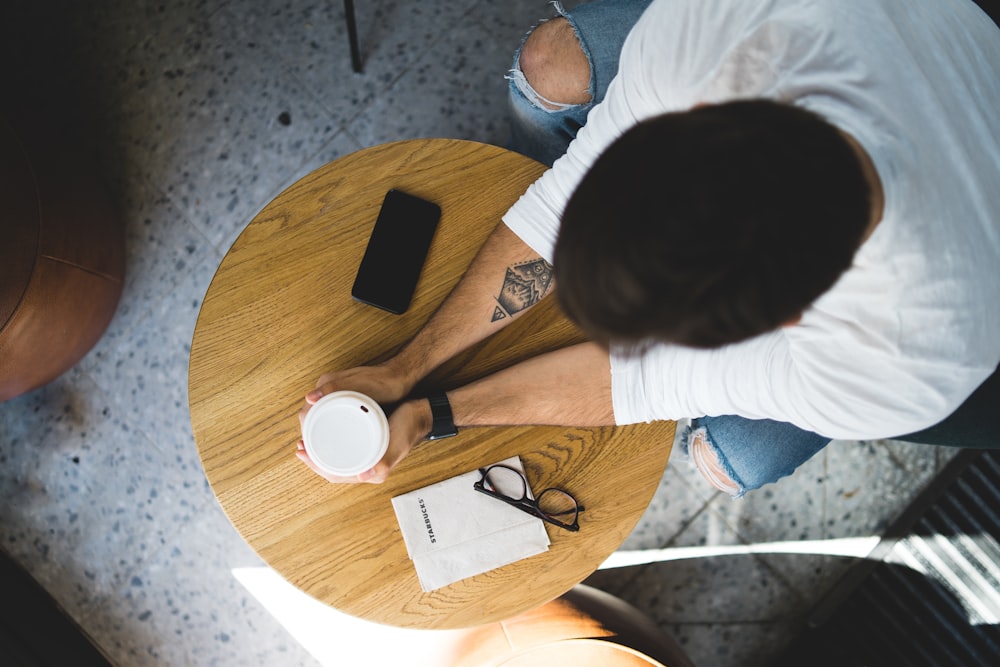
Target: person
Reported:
point(775, 218)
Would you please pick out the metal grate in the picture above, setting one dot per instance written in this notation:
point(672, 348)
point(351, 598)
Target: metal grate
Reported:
point(931, 595)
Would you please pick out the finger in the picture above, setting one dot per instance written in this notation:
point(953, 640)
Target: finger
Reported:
point(372, 476)
point(380, 472)
point(324, 379)
point(319, 392)
point(302, 456)
point(324, 386)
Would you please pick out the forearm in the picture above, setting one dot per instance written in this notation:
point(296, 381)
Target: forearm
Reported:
point(567, 387)
point(505, 279)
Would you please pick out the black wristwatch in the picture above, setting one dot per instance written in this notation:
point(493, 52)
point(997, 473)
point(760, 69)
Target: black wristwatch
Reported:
point(443, 424)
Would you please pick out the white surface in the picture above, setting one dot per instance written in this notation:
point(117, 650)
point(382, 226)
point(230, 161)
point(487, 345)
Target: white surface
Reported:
point(336, 639)
point(453, 532)
point(346, 433)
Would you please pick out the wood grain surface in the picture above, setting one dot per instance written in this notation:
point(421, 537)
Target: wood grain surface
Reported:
point(279, 313)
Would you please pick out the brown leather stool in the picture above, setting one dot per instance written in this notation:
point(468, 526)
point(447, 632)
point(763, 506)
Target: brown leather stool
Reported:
point(583, 628)
point(62, 255)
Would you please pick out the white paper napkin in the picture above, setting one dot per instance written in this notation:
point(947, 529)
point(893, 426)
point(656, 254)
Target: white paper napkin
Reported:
point(453, 532)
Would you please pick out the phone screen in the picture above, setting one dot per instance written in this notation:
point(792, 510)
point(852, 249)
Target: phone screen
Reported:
point(388, 273)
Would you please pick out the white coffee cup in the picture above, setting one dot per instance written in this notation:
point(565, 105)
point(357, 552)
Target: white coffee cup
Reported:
point(345, 433)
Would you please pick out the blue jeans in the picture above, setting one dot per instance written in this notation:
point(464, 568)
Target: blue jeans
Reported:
point(753, 452)
point(750, 452)
point(601, 27)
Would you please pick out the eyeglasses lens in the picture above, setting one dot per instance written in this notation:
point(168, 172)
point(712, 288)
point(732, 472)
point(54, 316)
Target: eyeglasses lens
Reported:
point(506, 482)
point(558, 505)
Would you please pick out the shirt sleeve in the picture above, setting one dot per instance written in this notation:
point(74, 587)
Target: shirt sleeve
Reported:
point(835, 387)
point(535, 216)
point(673, 382)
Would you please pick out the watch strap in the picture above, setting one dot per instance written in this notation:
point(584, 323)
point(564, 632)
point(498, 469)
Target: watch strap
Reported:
point(442, 421)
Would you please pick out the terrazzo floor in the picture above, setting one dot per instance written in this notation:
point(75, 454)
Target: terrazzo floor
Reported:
point(199, 112)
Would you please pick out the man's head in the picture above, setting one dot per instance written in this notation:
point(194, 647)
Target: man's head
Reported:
point(711, 226)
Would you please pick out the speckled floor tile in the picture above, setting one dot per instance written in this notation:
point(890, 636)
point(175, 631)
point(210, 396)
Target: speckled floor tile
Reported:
point(726, 588)
point(849, 490)
point(675, 516)
point(708, 529)
point(921, 461)
point(161, 248)
point(711, 589)
point(673, 506)
point(342, 144)
point(866, 488)
point(732, 644)
point(147, 372)
point(791, 509)
point(311, 41)
point(214, 119)
point(185, 607)
point(511, 21)
point(456, 90)
point(811, 575)
point(86, 497)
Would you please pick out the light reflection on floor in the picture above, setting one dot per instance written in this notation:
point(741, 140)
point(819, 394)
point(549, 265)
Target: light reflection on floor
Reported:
point(336, 639)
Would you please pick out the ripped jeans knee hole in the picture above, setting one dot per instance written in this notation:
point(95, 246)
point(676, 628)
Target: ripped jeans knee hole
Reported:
point(706, 459)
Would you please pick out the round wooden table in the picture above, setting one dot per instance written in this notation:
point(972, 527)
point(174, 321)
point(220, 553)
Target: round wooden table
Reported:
point(279, 313)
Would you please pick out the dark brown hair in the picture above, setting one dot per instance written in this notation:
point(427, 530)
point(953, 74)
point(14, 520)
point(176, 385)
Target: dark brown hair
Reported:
point(710, 226)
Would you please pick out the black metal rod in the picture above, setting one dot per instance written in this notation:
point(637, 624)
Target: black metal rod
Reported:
point(352, 35)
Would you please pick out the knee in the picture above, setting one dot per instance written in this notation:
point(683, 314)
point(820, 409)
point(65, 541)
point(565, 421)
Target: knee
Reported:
point(554, 64)
point(706, 459)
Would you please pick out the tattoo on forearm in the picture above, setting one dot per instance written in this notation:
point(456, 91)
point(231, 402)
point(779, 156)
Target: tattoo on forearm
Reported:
point(523, 286)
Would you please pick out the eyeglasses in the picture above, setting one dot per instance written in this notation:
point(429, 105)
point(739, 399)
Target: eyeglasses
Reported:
point(552, 505)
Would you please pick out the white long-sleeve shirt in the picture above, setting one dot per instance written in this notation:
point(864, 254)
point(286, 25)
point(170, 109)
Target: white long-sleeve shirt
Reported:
point(913, 327)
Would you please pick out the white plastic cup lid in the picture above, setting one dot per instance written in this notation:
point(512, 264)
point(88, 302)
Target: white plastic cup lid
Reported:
point(345, 433)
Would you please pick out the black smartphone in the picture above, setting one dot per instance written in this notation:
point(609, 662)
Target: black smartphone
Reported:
point(397, 248)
